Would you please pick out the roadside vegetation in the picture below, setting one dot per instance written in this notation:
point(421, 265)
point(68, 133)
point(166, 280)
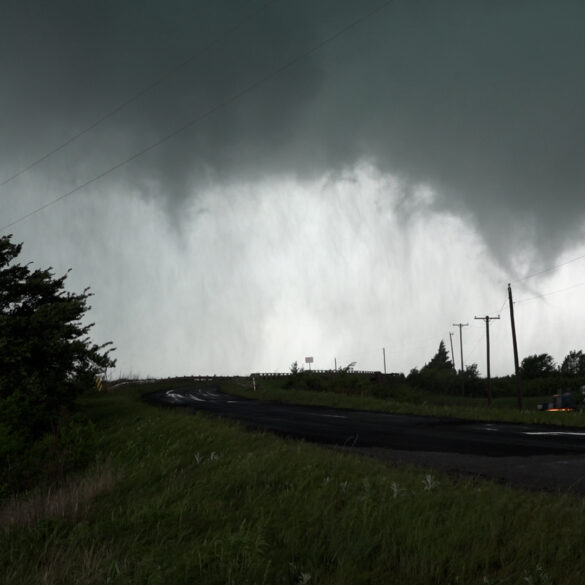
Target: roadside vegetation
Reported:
point(437, 389)
point(176, 497)
point(392, 394)
point(46, 361)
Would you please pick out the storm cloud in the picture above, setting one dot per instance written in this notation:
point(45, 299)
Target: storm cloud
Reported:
point(481, 100)
point(289, 177)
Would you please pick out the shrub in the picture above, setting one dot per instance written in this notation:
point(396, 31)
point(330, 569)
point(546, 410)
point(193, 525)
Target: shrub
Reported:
point(46, 361)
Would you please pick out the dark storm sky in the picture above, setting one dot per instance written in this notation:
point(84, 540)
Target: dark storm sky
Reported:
point(482, 100)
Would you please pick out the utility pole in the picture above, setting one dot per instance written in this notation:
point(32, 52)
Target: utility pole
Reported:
point(487, 320)
point(461, 325)
point(452, 354)
point(384, 355)
point(515, 345)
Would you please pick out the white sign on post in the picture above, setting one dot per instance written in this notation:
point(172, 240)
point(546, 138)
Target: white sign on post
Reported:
point(309, 360)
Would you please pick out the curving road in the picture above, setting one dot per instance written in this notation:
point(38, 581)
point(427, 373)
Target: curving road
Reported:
point(541, 457)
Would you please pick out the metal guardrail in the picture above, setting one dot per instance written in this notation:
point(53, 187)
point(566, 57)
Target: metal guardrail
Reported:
point(283, 374)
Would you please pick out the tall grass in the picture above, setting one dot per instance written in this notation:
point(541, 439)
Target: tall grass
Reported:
point(200, 500)
point(69, 500)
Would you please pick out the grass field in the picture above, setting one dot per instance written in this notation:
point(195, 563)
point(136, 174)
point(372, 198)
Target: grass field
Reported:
point(177, 498)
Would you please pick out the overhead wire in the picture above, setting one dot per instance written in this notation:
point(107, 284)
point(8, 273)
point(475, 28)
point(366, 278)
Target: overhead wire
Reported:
point(554, 292)
point(503, 304)
point(219, 106)
point(499, 311)
point(419, 341)
point(474, 347)
point(146, 89)
point(211, 111)
point(549, 269)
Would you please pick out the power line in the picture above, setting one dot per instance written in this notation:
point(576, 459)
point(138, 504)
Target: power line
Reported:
point(549, 269)
point(503, 305)
point(419, 341)
point(220, 106)
point(476, 344)
point(167, 75)
point(554, 292)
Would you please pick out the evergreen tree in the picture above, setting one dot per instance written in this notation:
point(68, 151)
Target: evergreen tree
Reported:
point(440, 360)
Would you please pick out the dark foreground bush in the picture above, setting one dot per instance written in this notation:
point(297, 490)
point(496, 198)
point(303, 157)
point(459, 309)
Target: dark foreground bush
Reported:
point(46, 361)
point(48, 459)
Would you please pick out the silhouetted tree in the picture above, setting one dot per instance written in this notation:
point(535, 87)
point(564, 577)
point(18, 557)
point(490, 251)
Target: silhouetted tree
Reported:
point(472, 372)
point(295, 368)
point(46, 357)
point(440, 360)
point(538, 366)
point(573, 364)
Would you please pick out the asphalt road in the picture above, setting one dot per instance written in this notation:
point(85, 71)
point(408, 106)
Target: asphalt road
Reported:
point(534, 456)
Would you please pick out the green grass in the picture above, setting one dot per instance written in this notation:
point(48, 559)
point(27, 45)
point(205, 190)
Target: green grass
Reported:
point(179, 498)
point(405, 400)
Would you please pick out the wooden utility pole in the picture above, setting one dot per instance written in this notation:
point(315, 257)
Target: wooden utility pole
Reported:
point(487, 320)
point(452, 354)
point(384, 356)
point(461, 325)
point(515, 345)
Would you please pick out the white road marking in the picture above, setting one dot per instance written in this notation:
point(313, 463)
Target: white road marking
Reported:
point(328, 415)
point(173, 395)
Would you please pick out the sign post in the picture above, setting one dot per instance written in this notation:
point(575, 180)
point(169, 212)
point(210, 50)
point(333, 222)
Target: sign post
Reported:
point(309, 360)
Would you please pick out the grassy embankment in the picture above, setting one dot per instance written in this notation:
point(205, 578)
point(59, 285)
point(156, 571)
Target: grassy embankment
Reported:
point(397, 398)
point(181, 498)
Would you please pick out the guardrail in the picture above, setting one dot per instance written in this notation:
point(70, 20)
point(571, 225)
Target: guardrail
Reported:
point(282, 374)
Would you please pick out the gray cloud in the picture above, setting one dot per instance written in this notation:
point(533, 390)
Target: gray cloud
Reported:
point(481, 100)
